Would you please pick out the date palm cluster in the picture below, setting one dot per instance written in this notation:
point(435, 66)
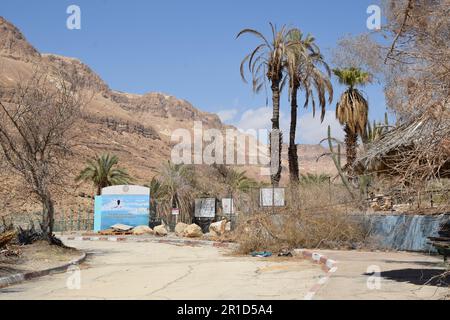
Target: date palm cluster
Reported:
point(291, 59)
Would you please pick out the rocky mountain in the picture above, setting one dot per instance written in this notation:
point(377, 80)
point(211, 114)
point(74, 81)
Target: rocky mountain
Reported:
point(13, 43)
point(137, 128)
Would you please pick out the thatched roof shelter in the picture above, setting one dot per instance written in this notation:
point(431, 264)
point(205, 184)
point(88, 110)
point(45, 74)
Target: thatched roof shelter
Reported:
point(416, 150)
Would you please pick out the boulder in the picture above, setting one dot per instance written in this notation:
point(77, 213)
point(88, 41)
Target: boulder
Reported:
point(161, 230)
point(193, 231)
point(121, 227)
point(218, 228)
point(180, 228)
point(141, 230)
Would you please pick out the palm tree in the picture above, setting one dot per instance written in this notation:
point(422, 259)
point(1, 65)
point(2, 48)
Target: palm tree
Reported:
point(156, 188)
point(238, 181)
point(314, 178)
point(175, 189)
point(267, 61)
point(376, 131)
point(303, 68)
point(156, 193)
point(352, 109)
point(103, 172)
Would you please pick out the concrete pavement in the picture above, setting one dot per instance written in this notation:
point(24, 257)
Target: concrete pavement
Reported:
point(129, 270)
point(384, 276)
point(161, 271)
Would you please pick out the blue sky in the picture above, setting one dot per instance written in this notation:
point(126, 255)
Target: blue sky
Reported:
point(188, 48)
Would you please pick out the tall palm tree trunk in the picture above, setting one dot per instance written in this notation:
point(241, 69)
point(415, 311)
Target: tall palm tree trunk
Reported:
point(276, 105)
point(275, 160)
point(351, 143)
point(294, 173)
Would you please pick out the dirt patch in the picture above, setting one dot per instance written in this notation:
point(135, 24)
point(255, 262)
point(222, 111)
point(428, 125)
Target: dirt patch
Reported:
point(38, 256)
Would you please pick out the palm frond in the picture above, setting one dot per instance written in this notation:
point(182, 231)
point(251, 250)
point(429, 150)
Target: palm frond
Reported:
point(103, 172)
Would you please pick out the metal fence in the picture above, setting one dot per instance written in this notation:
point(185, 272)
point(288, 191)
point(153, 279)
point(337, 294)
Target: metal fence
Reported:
point(66, 220)
point(79, 219)
point(318, 198)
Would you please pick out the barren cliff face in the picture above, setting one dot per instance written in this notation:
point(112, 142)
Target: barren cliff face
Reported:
point(137, 128)
point(13, 43)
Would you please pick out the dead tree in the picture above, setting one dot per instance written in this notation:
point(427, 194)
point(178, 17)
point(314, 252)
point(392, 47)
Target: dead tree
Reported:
point(415, 70)
point(37, 117)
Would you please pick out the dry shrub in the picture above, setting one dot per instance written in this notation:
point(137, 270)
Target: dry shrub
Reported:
point(319, 215)
point(323, 196)
point(252, 235)
point(304, 229)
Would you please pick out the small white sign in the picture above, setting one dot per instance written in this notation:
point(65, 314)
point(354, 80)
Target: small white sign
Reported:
point(272, 197)
point(175, 212)
point(228, 206)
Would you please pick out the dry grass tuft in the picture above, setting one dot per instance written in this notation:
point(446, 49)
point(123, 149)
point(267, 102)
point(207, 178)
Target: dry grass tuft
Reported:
point(332, 230)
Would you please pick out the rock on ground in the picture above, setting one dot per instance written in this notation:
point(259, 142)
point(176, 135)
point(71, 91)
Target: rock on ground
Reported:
point(180, 228)
point(141, 230)
point(217, 228)
point(160, 230)
point(193, 231)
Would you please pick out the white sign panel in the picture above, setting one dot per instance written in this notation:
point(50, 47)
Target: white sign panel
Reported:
point(175, 212)
point(126, 190)
point(228, 206)
point(268, 194)
point(205, 208)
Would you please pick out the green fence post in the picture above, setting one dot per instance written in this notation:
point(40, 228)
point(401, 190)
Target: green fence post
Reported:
point(71, 219)
point(86, 219)
point(91, 220)
point(79, 219)
point(55, 220)
point(63, 221)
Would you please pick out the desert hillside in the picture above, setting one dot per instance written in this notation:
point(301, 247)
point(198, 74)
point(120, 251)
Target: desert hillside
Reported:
point(137, 128)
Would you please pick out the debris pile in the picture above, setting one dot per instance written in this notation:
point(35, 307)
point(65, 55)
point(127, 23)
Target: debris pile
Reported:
point(442, 243)
point(30, 235)
point(6, 238)
point(123, 230)
point(117, 229)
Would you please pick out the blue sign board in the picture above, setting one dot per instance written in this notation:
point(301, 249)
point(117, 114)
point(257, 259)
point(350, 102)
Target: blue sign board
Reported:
point(132, 210)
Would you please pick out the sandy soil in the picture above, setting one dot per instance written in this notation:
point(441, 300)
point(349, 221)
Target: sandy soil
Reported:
point(37, 256)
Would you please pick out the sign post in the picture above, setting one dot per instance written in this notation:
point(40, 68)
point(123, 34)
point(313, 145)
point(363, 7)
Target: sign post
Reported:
point(176, 213)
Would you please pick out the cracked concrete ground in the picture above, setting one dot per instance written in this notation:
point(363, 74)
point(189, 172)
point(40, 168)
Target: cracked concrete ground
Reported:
point(162, 271)
point(385, 276)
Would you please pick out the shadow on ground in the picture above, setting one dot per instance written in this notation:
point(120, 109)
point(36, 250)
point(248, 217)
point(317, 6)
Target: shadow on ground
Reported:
point(429, 277)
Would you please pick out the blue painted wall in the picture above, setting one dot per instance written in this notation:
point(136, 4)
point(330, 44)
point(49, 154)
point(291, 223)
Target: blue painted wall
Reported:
point(132, 210)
